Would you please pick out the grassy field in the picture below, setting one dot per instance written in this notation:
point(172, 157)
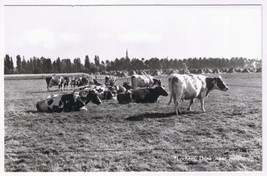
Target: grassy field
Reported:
point(136, 137)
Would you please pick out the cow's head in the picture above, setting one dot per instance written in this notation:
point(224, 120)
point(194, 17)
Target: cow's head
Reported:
point(216, 83)
point(219, 84)
point(160, 91)
point(88, 95)
point(156, 82)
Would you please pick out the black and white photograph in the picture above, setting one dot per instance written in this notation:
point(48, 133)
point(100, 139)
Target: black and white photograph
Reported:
point(132, 87)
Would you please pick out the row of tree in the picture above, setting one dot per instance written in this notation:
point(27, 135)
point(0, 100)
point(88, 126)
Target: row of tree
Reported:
point(36, 65)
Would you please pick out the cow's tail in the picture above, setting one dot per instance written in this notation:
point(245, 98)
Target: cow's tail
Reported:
point(174, 93)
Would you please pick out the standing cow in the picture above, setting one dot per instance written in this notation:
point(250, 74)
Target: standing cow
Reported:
point(192, 86)
point(66, 82)
point(73, 82)
point(55, 80)
point(144, 81)
point(82, 81)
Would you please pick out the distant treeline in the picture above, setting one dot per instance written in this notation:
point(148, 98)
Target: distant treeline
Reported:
point(37, 65)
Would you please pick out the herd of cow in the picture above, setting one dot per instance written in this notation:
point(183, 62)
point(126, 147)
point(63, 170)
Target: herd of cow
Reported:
point(143, 89)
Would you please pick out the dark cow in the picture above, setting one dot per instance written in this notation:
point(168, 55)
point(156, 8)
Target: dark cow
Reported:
point(142, 95)
point(55, 80)
point(144, 81)
point(190, 86)
point(82, 81)
point(48, 79)
point(66, 82)
point(73, 81)
point(68, 102)
point(127, 85)
point(125, 97)
point(97, 83)
point(110, 81)
point(148, 95)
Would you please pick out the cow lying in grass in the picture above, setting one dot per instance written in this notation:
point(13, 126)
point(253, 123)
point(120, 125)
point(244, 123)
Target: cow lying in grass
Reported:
point(68, 102)
point(142, 95)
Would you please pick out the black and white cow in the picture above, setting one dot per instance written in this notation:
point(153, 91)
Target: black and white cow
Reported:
point(73, 81)
point(110, 81)
point(66, 82)
point(191, 86)
point(55, 80)
point(82, 81)
point(68, 102)
point(103, 92)
point(144, 81)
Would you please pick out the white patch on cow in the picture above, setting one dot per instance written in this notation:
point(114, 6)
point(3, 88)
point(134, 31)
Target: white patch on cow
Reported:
point(142, 81)
point(84, 108)
point(52, 96)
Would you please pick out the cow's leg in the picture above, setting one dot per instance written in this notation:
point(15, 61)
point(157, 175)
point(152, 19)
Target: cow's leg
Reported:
point(176, 104)
point(177, 108)
point(191, 102)
point(202, 104)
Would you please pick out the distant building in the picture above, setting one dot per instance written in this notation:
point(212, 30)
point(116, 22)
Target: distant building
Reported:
point(127, 54)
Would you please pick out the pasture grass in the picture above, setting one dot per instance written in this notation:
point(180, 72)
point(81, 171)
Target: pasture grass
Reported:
point(136, 137)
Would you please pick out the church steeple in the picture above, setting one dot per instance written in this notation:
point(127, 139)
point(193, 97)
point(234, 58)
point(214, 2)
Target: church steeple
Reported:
point(127, 54)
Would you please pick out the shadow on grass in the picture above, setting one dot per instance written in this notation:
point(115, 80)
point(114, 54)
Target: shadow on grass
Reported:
point(34, 111)
point(45, 91)
point(140, 117)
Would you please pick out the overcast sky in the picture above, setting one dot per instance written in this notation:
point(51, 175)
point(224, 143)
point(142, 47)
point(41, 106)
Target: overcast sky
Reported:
point(146, 31)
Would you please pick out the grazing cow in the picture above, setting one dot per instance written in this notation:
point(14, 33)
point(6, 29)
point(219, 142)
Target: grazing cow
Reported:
point(68, 102)
point(125, 97)
point(110, 81)
point(55, 80)
point(48, 79)
point(144, 81)
point(192, 86)
point(73, 81)
point(66, 82)
point(82, 81)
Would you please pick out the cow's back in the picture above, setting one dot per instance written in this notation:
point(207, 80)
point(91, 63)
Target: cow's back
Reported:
point(188, 86)
point(141, 80)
